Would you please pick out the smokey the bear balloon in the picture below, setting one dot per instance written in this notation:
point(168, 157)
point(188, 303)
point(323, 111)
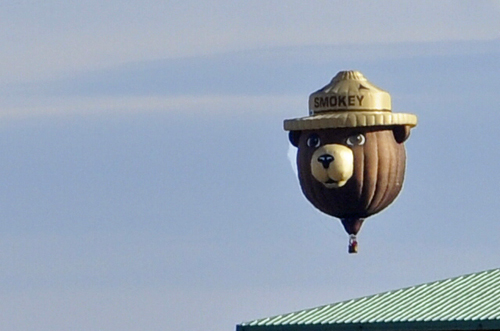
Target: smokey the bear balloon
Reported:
point(351, 158)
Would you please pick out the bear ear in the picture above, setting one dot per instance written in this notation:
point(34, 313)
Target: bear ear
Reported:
point(294, 137)
point(401, 133)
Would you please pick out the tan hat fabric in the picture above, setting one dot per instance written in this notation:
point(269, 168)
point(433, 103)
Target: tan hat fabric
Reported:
point(349, 100)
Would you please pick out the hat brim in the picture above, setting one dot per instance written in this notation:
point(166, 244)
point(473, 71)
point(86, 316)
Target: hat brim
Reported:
point(349, 120)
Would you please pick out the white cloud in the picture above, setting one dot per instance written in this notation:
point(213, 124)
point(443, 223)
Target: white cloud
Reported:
point(292, 157)
point(99, 106)
point(40, 39)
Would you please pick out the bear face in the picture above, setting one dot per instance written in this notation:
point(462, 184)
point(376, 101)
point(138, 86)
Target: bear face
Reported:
point(351, 173)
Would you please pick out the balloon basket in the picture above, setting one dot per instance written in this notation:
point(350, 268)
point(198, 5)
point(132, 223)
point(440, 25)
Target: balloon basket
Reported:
point(353, 244)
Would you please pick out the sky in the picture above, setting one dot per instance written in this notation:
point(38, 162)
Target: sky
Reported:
point(146, 183)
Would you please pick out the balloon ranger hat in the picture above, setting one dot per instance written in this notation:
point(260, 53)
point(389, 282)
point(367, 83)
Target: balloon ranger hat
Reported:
point(348, 101)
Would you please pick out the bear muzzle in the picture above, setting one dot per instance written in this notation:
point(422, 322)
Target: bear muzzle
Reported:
point(332, 165)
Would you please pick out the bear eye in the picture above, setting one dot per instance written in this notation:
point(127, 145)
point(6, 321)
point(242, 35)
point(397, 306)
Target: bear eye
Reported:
point(313, 141)
point(356, 140)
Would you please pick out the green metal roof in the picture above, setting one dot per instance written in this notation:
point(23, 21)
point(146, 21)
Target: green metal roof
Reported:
point(470, 302)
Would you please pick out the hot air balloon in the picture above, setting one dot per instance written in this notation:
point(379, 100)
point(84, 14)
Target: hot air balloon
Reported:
point(351, 157)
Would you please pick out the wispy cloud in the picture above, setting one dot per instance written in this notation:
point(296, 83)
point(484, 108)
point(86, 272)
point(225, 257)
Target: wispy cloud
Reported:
point(232, 105)
point(54, 37)
point(261, 81)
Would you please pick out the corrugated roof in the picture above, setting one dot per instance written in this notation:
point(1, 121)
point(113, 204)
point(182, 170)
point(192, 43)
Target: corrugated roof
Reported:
point(469, 302)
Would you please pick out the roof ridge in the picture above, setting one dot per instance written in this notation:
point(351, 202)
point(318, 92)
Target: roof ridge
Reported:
point(355, 310)
point(450, 279)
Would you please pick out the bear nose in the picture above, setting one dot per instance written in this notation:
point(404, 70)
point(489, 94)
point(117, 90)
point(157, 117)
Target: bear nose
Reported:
point(325, 160)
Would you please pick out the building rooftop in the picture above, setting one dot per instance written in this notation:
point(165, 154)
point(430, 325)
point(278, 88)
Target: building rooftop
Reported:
point(469, 302)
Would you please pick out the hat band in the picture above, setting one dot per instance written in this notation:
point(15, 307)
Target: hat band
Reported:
point(350, 120)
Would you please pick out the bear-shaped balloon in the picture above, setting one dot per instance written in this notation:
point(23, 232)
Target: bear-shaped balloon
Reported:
point(351, 157)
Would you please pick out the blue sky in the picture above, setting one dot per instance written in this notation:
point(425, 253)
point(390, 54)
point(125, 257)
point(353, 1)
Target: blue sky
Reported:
point(146, 183)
